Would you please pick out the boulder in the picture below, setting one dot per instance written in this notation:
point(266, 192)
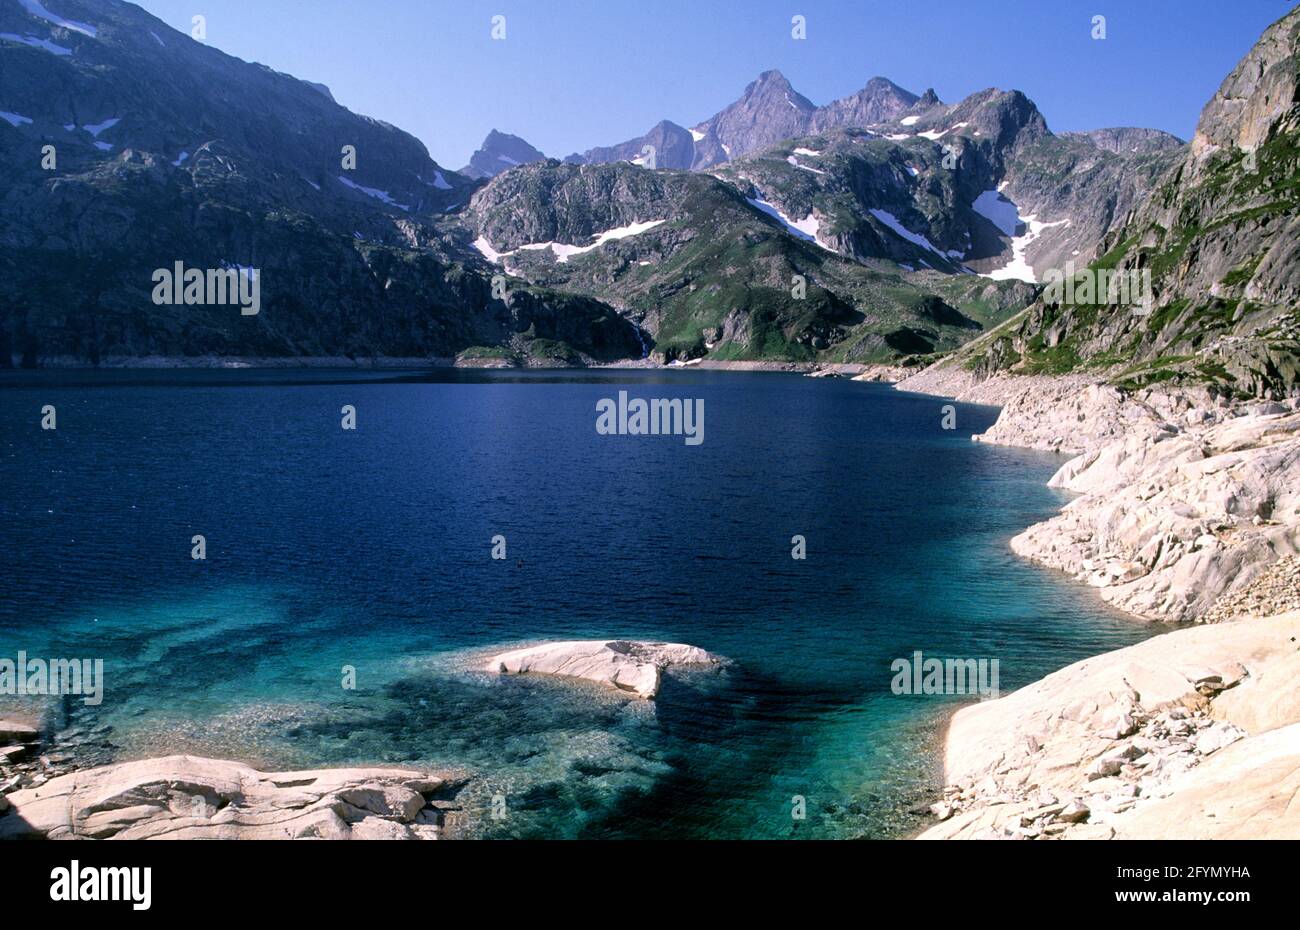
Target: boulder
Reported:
point(627, 665)
point(14, 732)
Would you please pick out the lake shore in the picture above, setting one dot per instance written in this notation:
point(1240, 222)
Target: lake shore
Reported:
point(1188, 512)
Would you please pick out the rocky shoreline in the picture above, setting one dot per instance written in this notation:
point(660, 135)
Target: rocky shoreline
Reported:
point(1188, 512)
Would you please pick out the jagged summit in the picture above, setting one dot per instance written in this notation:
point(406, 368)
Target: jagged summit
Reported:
point(499, 152)
point(768, 110)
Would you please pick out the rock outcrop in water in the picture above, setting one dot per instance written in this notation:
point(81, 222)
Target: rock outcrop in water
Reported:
point(634, 667)
point(187, 797)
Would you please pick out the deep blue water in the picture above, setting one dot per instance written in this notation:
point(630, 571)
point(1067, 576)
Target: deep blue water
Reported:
point(371, 548)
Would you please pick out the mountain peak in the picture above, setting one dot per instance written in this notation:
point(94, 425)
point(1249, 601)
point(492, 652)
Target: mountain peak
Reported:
point(500, 152)
point(879, 101)
point(774, 86)
point(1259, 92)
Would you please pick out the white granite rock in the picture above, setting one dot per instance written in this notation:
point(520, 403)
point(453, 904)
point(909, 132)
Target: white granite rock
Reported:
point(628, 665)
point(1178, 727)
point(187, 797)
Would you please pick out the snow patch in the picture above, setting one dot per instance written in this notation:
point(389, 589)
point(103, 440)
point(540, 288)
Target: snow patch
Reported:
point(794, 161)
point(563, 251)
point(898, 137)
point(1023, 231)
point(811, 152)
point(14, 119)
point(508, 160)
point(180, 159)
point(104, 146)
point(696, 135)
point(37, 43)
point(486, 250)
point(909, 120)
point(898, 228)
point(156, 39)
point(999, 211)
point(932, 135)
point(1018, 268)
point(439, 182)
point(379, 195)
point(40, 12)
point(805, 229)
point(96, 128)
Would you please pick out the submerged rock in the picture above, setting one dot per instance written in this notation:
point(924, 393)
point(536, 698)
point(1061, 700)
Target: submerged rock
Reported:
point(627, 665)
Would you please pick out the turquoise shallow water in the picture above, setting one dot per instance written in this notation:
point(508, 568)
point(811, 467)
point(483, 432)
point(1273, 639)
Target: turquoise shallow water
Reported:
point(329, 548)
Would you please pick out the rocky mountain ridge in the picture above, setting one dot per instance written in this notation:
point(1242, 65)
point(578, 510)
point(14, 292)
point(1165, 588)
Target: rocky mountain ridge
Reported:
point(884, 243)
point(708, 273)
point(128, 146)
point(767, 111)
point(1219, 239)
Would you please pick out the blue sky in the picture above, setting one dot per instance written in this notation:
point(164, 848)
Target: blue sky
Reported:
point(572, 74)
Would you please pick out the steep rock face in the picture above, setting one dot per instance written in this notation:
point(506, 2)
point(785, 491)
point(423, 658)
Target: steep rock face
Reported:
point(571, 204)
point(169, 151)
point(499, 152)
point(1220, 238)
point(769, 110)
point(1258, 99)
